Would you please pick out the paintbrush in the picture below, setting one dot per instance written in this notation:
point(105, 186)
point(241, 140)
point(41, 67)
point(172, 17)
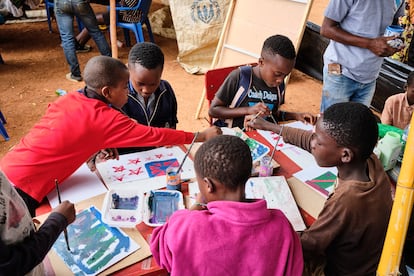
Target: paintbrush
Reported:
point(254, 118)
point(188, 151)
point(277, 142)
point(65, 232)
point(261, 99)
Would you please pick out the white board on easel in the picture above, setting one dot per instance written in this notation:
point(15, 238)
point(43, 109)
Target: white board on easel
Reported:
point(252, 22)
point(249, 23)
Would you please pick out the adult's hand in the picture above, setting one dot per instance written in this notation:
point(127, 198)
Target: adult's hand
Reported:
point(380, 47)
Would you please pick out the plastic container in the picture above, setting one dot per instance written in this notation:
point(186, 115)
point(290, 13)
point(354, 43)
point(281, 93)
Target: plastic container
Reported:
point(173, 179)
point(384, 128)
point(127, 207)
point(60, 92)
point(265, 167)
point(160, 205)
point(393, 30)
point(389, 147)
point(123, 208)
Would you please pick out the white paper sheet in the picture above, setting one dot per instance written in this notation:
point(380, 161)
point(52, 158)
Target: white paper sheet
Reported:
point(82, 184)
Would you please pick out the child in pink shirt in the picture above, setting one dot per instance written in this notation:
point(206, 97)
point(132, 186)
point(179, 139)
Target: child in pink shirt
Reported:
point(230, 235)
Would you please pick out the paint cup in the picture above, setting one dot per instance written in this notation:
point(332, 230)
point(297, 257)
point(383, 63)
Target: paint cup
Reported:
point(394, 30)
point(265, 168)
point(173, 179)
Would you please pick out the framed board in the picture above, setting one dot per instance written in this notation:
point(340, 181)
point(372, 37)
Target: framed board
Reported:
point(249, 23)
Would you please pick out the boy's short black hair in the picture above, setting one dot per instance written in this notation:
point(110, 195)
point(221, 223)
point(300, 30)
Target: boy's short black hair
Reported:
point(226, 159)
point(281, 45)
point(103, 71)
point(147, 54)
point(410, 78)
point(352, 125)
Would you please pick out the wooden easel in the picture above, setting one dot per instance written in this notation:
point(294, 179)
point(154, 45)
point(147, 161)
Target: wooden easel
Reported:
point(249, 23)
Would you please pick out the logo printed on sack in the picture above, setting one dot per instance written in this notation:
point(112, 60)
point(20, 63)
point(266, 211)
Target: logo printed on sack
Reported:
point(205, 11)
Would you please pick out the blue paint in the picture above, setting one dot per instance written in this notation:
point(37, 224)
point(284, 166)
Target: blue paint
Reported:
point(162, 205)
point(124, 203)
point(91, 241)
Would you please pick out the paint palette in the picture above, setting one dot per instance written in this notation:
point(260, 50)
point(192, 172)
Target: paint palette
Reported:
point(123, 207)
point(160, 205)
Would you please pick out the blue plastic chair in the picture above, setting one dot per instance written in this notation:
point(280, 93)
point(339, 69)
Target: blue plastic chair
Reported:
point(49, 5)
point(136, 27)
point(3, 131)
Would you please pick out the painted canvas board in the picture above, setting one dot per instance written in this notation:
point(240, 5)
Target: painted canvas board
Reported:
point(276, 192)
point(257, 149)
point(94, 245)
point(325, 183)
point(146, 168)
point(321, 179)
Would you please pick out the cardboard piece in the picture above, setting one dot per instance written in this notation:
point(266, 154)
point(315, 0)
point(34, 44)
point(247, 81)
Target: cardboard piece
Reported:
point(307, 198)
point(58, 266)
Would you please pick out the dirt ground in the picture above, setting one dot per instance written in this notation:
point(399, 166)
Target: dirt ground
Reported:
point(35, 67)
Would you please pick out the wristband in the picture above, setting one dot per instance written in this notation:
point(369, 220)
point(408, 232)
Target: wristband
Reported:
point(282, 115)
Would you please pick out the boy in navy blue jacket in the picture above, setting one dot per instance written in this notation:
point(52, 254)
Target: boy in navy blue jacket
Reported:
point(151, 100)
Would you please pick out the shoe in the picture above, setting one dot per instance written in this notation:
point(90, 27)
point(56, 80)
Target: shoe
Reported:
point(73, 78)
point(83, 49)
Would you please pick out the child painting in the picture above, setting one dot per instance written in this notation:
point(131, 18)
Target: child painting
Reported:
point(225, 233)
point(348, 235)
point(78, 125)
point(267, 87)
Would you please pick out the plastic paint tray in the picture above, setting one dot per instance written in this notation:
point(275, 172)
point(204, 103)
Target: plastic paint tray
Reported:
point(127, 207)
point(122, 208)
point(160, 205)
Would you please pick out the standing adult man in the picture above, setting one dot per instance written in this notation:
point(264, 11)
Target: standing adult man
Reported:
point(65, 11)
point(353, 58)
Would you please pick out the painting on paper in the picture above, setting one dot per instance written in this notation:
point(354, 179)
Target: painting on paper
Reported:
point(276, 192)
point(321, 179)
point(94, 245)
point(144, 165)
point(257, 149)
point(324, 183)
